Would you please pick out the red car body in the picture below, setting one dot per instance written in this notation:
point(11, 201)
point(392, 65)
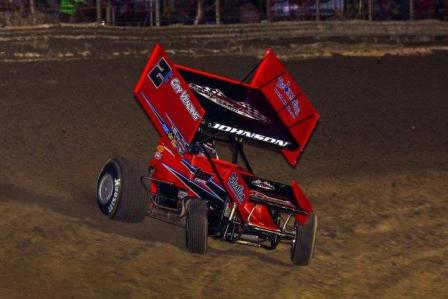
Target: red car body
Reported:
point(192, 110)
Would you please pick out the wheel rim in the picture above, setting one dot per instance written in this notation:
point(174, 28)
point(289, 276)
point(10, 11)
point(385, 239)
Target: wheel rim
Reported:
point(106, 188)
point(293, 243)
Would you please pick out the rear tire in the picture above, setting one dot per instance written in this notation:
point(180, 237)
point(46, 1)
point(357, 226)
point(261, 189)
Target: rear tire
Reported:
point(120, 193)
point(196, 230)
point(302, 247)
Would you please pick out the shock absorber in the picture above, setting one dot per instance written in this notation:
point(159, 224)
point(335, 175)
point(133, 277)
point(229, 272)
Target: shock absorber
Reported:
point(230, 220)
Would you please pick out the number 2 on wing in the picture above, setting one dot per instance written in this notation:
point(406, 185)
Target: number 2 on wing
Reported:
point(160, 73)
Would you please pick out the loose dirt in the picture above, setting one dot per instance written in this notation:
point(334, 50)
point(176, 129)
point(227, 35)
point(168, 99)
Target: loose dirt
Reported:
point(376, 170)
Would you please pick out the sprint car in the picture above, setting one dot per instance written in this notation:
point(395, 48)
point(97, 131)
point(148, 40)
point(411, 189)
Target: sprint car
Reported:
point(187, 183)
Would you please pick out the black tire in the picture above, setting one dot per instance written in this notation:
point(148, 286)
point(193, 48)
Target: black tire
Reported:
point(302, 247)
point(120, 193)
point(275, 239)
point(196, 230)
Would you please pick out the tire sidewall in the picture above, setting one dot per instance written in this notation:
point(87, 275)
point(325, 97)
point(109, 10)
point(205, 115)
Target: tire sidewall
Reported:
point(309, 230)
point(109, 208)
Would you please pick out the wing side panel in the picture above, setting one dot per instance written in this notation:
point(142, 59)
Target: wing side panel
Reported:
point(289, 102)
point(166, 98)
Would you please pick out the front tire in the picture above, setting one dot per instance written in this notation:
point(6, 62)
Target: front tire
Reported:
point(196, 229)
point(120, 193)
point(302, 247)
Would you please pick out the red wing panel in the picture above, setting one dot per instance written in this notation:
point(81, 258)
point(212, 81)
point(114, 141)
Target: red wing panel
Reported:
point(165, 96)
point(289, 102)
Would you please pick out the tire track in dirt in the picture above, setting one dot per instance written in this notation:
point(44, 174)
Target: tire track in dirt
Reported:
point(375, 169)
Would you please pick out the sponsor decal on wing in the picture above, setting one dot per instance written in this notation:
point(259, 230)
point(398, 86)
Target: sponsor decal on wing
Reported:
point(287, 96)
point(218, 97)
point(247, 134)
point(184, 98)
point(176, 138)
point(263, 184)
point(173, 134)
point(162, 73)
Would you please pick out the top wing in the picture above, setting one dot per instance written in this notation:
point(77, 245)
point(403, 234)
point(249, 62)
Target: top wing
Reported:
point(271, 110)
point(167, 99)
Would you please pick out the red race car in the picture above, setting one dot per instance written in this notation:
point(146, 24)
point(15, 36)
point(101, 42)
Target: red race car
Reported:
point(186, 182)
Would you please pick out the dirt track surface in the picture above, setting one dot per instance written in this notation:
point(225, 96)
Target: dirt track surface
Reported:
point(376, 170)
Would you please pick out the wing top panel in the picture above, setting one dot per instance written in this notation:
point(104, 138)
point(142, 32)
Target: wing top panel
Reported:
point(237, 109)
